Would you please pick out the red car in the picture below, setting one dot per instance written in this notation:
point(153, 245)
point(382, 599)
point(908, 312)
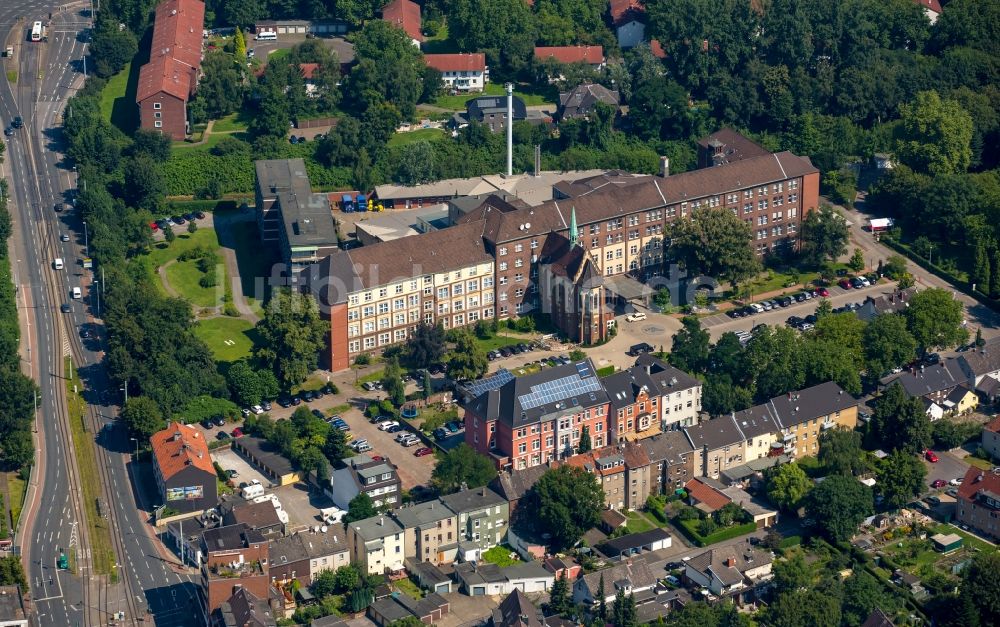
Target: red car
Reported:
point(939, 483)
point(420, 452)
point(844, 283)
point(823, 292)
point(237, 432)
point(931, 456)
point(154, 226)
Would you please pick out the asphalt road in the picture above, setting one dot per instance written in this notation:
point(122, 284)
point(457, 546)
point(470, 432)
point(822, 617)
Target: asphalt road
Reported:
point(48, 74)
point(50, 522)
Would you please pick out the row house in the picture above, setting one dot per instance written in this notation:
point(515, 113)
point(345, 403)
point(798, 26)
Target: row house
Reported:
point(234, 557)
point(650, 397)
point(623, 472)
point(788, 425)
point(978, 503)
point(539, 418)
point(376, 544)
point(429, 532)
point(464, 71)
point(944, 388)
point(671, 461)
point(303, 556)
point(483, 517)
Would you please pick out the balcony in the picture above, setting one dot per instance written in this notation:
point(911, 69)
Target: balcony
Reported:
point(235, 570)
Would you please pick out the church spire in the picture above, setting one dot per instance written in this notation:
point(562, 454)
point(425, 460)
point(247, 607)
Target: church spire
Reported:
point(572, 228)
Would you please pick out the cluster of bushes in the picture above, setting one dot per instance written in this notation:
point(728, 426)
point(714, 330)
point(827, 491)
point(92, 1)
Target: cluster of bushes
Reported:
point(727, 522)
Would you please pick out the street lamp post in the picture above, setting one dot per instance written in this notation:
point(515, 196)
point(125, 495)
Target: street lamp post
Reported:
point(125, 389)
point(97, 293)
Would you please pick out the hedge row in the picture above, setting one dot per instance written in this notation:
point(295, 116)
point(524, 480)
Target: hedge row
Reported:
point(688, 527)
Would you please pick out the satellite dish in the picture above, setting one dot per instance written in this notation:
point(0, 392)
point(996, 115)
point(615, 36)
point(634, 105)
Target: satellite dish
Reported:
point(527, 225)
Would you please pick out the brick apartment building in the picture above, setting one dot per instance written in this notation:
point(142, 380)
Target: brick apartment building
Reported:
point(526, 258)
point(182, 468)
point(539, 418)
point(979, 502)
point(169, 79)
point(234, 557)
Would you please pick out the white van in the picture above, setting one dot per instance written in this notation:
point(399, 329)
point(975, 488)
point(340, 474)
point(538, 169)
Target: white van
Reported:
point(77, 293)
point(58, 263)
point(267, 35)
point(253, 491)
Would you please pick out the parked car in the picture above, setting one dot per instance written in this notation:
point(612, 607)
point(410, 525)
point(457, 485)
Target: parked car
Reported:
point(410, 441)
point(440, 433)
point(220, 422)
point(785, 301)
point(825, 293)
point(222, 435)
point(453, 426)
point(856, 283)
point(319, 414)
point(931, 456)
point(384, 425)
point(635, 317)
point(257, 409)
point(844, 283)
point(422, 451)
point(207, 423)
point(237, 432)
point(957, 481)
point(938, 483)
point(284, 401)
point(266, 405)
point(296, 401)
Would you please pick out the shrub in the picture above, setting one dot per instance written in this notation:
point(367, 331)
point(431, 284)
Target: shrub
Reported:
point(230, 310)
point(207, 280)
point(363, 359)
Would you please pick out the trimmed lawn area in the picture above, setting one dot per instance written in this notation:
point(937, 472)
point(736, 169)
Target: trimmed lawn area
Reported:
point(230, 339)
point(440, 43)
point(410, 137)
point(637, 523)
point(210, 141)
point(118, 100)
point(968, 539)
point(184, 276)
point(498, 341)
point(16, 487)
point(233, 122)
point(979, 462)
point(409, 588)
point(162, 252)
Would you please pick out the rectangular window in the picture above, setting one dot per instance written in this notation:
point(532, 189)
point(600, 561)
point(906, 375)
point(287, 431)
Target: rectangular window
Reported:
point(158, 124)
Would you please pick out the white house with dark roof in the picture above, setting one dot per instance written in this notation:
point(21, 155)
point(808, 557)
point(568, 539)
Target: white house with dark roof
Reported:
point(730, 570)
point(377, 544)
point(632, 576)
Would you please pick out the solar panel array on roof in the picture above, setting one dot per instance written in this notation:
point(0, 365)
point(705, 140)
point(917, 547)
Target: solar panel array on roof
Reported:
point(583, 369)
point(559, 389)
point(497, 381)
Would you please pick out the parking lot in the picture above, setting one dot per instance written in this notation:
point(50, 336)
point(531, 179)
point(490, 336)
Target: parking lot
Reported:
point(229, 459)
point(302, 505)
point(412, 470)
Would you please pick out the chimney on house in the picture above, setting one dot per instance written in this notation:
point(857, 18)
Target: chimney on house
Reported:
point(664, 167)
point(731, 562)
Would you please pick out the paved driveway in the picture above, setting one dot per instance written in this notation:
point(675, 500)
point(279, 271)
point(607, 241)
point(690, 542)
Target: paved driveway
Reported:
point(949, 466)
point(301, 504)
point(231, 460)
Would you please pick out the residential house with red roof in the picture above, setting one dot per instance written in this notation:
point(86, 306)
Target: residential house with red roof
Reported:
point(978, 503)
point(932, 9)
point(182, 467)
point(591, 55)
point(991, 437)
point(405, 14)
point(465, 71)
point(169, 79)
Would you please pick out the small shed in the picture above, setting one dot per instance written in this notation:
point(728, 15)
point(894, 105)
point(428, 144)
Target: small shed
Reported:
point(947, 542)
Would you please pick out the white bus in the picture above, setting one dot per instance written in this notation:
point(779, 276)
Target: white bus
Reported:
point(36, 31)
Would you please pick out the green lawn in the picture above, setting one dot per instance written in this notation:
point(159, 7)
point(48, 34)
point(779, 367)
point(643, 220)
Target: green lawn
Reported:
point(233, 122)
point(637, 523)
point(409, 588)
point(501, 556)
point(424, 134)
point(118, 100)
point(163, 252)
point(230, 339)
point(968, 539)
point(457, 102)
point(184, 277)
point(440, 43)
point(497, 341)
point(16, 486)
point(212, 140)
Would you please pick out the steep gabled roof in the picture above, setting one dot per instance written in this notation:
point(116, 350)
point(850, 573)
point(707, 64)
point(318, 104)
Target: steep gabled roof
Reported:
point(175, 51)
point(624, 11)
point(819, 400)
point(461, 62)
point(593, 55)
point(404, 14)
point(179, 446)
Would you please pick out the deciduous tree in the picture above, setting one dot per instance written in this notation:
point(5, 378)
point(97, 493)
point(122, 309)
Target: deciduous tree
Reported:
point(981, 583)
point(838, 505)
point(291, 336)
point(900, 422)
point(359, 508)
point(935, 135)
point(468, 359)
point(787, 485)
point(462, 465)
point(935, 319)
point(714, 242)
point(142, 416)
point(824, 236)
point(887, 344)
point(840, 452)
point(900, 478)
point(691, 346)
point(564, 502)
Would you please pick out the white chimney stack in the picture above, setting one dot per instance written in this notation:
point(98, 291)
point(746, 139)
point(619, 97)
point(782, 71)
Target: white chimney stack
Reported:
point(510, 128)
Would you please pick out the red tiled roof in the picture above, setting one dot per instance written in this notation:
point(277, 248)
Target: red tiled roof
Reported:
point(406, 15)
point(706, 494)
point(593, 55)
point(308, 69)
point(930, 5)
point(657, 49)
point(993, 425)
point(976, 479)
point(175, 50)
point(179, 446)
point(623, 10)
point(462, 62)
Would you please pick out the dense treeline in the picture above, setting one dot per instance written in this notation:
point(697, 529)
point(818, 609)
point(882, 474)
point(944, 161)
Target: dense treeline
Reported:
point(17, 450)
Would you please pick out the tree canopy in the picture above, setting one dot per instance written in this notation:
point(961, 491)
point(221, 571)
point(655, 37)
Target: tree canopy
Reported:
point(838, 505)
point(460, 466)
point(714, 242)
point(291, 336)
point(563, 503)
